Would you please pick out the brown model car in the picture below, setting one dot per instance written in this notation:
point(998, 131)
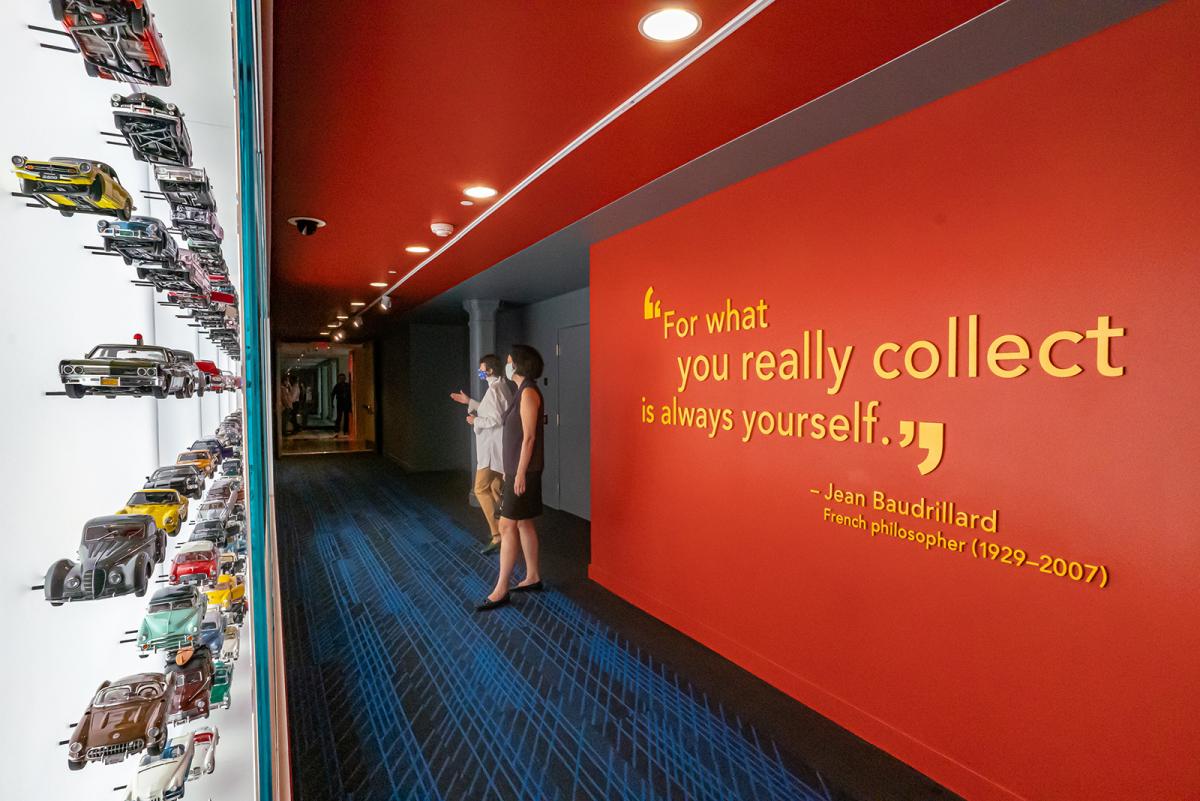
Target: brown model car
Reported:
point(125, 716)
point(191, 677)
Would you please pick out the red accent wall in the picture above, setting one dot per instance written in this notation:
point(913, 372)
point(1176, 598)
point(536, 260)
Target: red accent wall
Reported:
point(1059, 192)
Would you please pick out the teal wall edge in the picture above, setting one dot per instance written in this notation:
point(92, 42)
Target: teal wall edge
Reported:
point(255, 448)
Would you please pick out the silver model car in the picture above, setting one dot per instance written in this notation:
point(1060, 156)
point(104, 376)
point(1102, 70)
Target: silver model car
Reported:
point(137, 370)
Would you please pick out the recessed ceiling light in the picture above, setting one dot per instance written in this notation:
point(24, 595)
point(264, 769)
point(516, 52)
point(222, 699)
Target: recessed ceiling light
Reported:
point(669, 24)
point(391, 272)
point(466, 202)
point(343, 317)
point(331, 325)
point(338, 324)
point(382, 284)
point(358, 303)
point(417, 249)
point(479, 192)
point(324, 333)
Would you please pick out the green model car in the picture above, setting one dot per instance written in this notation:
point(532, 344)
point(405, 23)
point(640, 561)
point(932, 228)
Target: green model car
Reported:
point(172, 620)
point(221, 679)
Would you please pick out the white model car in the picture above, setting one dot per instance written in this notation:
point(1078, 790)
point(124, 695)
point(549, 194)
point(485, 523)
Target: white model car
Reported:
point(205, 760)
point(160, 778)
point(232, 645)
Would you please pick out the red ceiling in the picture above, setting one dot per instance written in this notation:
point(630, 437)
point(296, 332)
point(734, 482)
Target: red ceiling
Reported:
point(381, 118)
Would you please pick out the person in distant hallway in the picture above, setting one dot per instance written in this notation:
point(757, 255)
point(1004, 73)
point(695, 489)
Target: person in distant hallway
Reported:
point(486, 417)
point(341, 406)
point(285, 407)
point(521, 497)
point(297, 404)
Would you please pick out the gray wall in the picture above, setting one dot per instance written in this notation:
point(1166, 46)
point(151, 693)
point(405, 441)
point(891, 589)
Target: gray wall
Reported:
point(419, 365)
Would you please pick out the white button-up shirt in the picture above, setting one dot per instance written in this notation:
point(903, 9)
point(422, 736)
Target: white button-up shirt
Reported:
point(489, 429)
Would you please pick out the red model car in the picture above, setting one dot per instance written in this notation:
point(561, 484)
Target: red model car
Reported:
point(212, 375)
point(117, 39)
point(195, 562)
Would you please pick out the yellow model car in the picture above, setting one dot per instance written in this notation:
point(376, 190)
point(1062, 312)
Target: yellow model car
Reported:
point(168, 508)
point(74, 185)
point(229, 594)
point(202, 460)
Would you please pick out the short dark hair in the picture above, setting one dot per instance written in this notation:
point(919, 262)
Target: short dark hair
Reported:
point(491, 363)
point(341, 375)
point(527, 361)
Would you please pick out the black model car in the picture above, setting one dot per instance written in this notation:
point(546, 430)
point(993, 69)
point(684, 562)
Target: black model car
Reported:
point(185, 186)
point(200, 226)
point(213, 261)
point(154, 129)
point(184, 479)
point(125, 370)
point(117, 39)
point(196, 382)
point(214, 531)
point(117, 555)
point(214, 445)
point(144, 239)
point(183, 274)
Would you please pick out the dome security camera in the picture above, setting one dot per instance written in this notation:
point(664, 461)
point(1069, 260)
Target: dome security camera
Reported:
point(442, 229)
point(307, 226)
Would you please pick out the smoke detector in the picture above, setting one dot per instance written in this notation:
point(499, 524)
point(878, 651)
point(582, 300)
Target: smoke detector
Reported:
point(442, 229)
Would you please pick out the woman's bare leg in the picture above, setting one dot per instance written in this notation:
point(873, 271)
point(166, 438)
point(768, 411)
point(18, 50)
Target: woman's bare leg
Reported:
point(509, 547)
point(529, 544)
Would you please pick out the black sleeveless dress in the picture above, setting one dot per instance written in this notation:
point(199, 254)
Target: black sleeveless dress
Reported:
point(528, 505)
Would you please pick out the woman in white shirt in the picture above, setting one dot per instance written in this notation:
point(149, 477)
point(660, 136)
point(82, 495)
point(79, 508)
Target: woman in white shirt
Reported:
point(486, 418)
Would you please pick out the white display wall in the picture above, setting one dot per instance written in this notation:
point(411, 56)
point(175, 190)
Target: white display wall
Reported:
point(70, 460)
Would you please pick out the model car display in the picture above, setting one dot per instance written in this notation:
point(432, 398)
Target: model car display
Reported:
point(194, 562)
point(201, 460)
point(183, 274)
point(229, 563)
point(168, 508)
point(216, 509)
point(222, 679)
point(172, 620)
point(229, 488)
point(213, 531)
point(117, 556)
point(183, 478)
point(190, 674)
point(185, 186)
point(125, 717)
point(205, 760)
point(139, 239)
point(231, 645)
point(231, 468)
point(124, 370)
point(161, 777)
point(199, 225)
point(117, 39)
point(229, 593)
point(73, 185)
point(154, 129)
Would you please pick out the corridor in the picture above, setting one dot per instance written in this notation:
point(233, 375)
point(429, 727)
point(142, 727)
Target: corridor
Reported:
point(397, 689)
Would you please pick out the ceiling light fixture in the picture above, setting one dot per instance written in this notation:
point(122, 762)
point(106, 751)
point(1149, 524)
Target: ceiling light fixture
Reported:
point(466, 202)
point(669, 24)
point(391, 272)
point(416, 249)
point(357, 322)
point(358, 303)
point(324, 333)
point(479, 192)
point(331, 325)
point(381, 284)
point(343, 317)
point(748, 13)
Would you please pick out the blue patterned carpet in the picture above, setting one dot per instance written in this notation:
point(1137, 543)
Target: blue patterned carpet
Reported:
point(398, 690)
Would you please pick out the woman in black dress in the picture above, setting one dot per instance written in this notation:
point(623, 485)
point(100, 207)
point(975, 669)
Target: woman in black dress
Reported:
point(521, 498)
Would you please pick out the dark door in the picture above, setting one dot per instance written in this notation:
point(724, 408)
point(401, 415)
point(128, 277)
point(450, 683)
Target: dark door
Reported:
point(574, 422)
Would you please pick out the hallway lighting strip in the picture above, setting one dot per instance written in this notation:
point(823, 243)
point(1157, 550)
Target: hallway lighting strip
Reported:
point(718, 36)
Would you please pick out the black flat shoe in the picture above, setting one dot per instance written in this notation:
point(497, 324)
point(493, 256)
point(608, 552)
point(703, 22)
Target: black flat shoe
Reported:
point(491, 547)
point(534, 587)
point(488, 604)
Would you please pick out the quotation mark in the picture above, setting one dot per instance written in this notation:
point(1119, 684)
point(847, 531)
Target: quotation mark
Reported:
point(931, 438)
point(651, 309)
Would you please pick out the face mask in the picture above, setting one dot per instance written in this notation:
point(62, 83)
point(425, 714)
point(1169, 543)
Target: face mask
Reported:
point(508, 370)
point(483, 376)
